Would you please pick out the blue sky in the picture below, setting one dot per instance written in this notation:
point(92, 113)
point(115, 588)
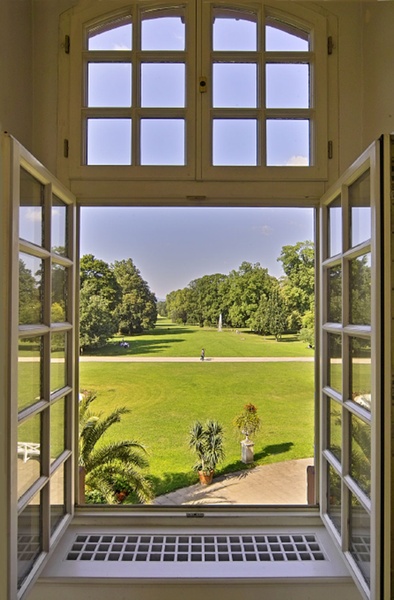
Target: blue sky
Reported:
point(173, 246)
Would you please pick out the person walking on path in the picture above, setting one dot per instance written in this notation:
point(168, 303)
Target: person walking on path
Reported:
point(202, 354)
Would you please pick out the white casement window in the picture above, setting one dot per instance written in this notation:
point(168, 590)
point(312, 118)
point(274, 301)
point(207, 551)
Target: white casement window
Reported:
point(41, 359)
point(353, 447)
point(196, 91)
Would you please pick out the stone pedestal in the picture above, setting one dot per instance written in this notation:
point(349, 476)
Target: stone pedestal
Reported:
point(247, 451)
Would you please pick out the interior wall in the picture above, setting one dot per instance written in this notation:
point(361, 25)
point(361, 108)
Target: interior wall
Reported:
point(47, 45)
point(16, 92)
point(378, 57)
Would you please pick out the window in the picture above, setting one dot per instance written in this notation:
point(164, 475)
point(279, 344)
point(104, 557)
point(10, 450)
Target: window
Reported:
point(42, 351)
point(350, 376)
point(198, 92)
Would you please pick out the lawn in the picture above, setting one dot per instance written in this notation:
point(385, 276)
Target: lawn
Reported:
point(169, 339)
point(165, 399)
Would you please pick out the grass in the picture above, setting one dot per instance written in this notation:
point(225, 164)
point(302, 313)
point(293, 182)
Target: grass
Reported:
point(169, 339)
point(165, 399)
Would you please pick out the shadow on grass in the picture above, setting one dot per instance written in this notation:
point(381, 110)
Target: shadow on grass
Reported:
point(273, 449)
point(169, 482)
point(136, 346)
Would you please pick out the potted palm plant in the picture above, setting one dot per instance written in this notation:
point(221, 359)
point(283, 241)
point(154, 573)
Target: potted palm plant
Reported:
point(247, 422)
point(207, 443)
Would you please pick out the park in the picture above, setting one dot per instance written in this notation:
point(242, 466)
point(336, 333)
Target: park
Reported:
point(161, 380)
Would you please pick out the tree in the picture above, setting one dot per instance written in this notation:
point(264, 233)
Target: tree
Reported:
point(29, 296)
point(101, 279)
point(137, 309)
point(105, 466)
point(298, 262)
point(276, 313)
point(96, 322)
point(243, 292)
point(205, 299)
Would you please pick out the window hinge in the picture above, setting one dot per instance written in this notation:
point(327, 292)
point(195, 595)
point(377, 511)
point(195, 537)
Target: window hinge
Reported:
point(65, 148)
point(67, 44)
point(330, 45)
point(329, 149)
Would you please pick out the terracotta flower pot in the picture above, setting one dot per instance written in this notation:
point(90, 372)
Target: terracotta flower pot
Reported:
point(205, 478)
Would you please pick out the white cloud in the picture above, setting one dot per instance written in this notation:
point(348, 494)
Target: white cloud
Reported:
point(295, 161)
point(265, 230)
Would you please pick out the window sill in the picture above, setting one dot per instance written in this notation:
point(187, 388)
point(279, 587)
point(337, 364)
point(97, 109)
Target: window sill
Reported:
point(60, 568)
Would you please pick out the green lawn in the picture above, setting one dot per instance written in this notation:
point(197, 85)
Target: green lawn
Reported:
point(165, 399)
point(169, 339)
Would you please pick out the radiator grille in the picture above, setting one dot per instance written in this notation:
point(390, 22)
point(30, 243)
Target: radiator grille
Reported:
point(196, 548)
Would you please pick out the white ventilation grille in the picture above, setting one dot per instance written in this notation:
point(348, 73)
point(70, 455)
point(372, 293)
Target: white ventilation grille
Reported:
point(196, 548)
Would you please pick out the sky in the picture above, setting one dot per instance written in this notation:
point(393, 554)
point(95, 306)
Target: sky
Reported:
point(173, 246)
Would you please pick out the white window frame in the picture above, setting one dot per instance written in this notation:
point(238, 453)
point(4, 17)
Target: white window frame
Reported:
point(15, 158)
point(192, 180)
point(376, 332)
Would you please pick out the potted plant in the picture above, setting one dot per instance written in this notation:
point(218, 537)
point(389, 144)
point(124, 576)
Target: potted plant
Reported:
point(248, 423)
point(207, 443)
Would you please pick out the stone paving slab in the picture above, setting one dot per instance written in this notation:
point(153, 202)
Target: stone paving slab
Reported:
point(279, 483)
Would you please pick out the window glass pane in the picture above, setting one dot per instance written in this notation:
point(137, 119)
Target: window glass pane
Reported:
point(58, 428)
point(334, 504)
point(287, 142)
point(334, 286)
point(163, 33)
point(360, 290)
point(59, 227)
point(360, 453)
point(360, 210)
point(109, 84)
point(281, 37)
point(235, 85)
point(360, 537)
point(334, 343)
point(31, 211)
point(57, 497)
point(169, 78)
point(29, 371)
point(234, 30)
point(335, 227)
point(29, 537)
point(360, 350)
point(335, 428)
point(162, 142)
point(59, 294)
point(234, 142)
point(109, 142)
point(29, 453)
point(31, 270)
point(58, 361)
point(110, 37)
point(287, 85)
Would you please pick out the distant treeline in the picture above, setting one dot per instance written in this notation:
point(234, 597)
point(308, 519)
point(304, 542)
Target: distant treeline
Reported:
point(250, 297)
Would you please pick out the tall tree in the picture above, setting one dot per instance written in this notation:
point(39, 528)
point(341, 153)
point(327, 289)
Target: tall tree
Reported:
point(96, 322)
point(101, 278)
point(244, 290)
point(137, 309)
point(276, 313)
point(298, 262)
